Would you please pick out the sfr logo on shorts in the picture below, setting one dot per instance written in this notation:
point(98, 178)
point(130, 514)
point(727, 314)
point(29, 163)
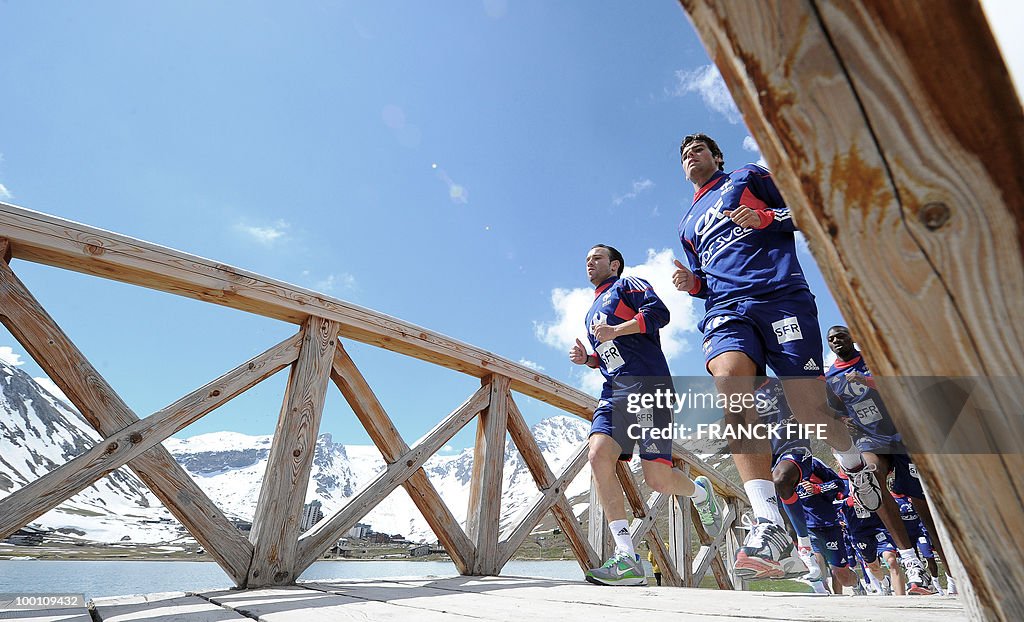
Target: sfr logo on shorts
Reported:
point(787, 329)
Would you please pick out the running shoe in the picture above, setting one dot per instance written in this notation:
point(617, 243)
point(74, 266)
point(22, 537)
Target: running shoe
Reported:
point(768, 553)
point(621, 569)
point(710, 510)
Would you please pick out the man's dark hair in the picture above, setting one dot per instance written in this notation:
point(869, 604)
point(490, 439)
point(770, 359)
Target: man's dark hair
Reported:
point(707, 140)
point(613, 255)
point(837, 327)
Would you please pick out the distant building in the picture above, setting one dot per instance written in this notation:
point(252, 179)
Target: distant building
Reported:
point(311, 515)
point(361, 530)
point(28, 536)
point(419, 550)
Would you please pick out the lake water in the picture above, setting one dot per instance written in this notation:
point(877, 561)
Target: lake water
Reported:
point(116, 578)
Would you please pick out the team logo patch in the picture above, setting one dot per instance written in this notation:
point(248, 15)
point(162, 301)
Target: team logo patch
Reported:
point(718, 321)
point(832, 545)
point(787, 329)
point(707, 346)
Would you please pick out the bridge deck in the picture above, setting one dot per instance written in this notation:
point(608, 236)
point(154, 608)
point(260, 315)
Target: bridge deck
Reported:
point(450, 599)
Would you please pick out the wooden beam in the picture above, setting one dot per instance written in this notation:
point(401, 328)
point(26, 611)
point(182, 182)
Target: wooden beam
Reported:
point(62, 483)
point(598, 533)
point(326, 532)
point(385, 436)
point(275, 527)
point(49, 240)
point(104, 409)
point(913, 205)
point(679, 541)
point(669, 571)
point(485, 484)
point(553, 496)
point(710, 546)
point(5, 250)
point(649, 511)
point(629, 487)
point(723, 485)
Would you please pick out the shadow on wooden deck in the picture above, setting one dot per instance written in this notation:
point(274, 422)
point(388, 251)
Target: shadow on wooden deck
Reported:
point(450, 599)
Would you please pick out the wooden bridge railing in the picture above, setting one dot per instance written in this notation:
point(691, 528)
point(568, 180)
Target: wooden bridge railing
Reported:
point(275, 553)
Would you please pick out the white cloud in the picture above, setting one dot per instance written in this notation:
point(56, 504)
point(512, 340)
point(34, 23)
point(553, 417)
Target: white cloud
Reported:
point(9, 356)
point(4, 192)
point(332, 282)
point(264, 235)
point(54, 390)
point(532, 365)
point(638, 187)
point(707, 81)
point(571, 306)
point(751, 145)
point(801, 244)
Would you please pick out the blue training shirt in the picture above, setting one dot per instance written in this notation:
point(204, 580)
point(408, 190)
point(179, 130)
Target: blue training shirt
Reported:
point(860, 402)
point(818, 506)
point(731, 262)
point(618, 300)
point(772, 408)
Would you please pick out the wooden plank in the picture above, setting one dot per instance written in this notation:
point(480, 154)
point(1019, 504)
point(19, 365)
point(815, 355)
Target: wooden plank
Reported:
point(368, 409)
point(912, 204)
point(553, 494)
point(275, 526)
point(632, 491)
point(734, 537)
point(598, 534)
point(679, 541)
point(669, 572)
point(5, 250)
point(62, 483)
point(326, 532)
point(309, 604)
point(104, 409)
point(709, 550)
point(162, 607)
point(642, 524)
point(46, 239)
point(484, 512)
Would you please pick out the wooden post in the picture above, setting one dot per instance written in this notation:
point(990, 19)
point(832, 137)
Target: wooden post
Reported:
point(104, 409)
point(679, 544)
point(911, 198)
point(62, 483)
point(485, 485)
point(598, 534)
point(275, 527)
point(378, 425)
point(734, 537)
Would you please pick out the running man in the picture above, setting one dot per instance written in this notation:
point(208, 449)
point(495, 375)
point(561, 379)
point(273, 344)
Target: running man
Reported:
point(738, 238)
point(622, 326)
point(818, 492)
point(852, 393)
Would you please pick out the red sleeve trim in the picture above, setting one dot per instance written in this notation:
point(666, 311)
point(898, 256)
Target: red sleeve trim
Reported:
point(639, 317)
point(593, 362)
point(696, 287)
point(766, 216)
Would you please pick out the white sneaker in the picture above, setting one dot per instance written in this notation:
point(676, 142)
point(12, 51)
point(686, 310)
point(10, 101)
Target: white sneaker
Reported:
point(864, 487)
point(807, 557)
point(919, 581)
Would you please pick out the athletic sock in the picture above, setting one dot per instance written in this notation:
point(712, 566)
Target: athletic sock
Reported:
point(907, 554)
point(763, 501)
point(620, 533)
point(700, 495)
point(850, 459)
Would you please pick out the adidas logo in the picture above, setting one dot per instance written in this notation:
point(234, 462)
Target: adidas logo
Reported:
point(810, 365)
point(623, 532)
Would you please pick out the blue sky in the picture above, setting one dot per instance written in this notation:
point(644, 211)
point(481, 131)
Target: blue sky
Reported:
point(449, 164)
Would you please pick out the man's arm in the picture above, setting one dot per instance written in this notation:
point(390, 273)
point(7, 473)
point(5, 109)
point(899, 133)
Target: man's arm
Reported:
point(690, 279)
point(761, 205)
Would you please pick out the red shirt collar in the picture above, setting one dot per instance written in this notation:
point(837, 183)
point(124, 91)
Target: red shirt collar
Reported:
point(605, 285)
point(841, 364)
point(707, 186)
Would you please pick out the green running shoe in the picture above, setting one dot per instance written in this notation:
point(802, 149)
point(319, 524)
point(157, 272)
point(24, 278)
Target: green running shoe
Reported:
point(621, 569)
point(710, 511)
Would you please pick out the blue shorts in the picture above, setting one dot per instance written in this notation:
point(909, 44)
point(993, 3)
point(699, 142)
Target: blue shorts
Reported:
point(613, 418)
point(906, 480)
point(800, 457)
point(830, 543)
point(782, 333)
point(917, 532)
point(872, 544)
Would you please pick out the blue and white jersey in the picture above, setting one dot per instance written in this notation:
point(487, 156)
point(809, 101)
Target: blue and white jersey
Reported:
point(859, 522)
point(860, 401)
point(732, 262)
point(818, 507)
point(773, 409)
point(620, 300)
point(915, 527)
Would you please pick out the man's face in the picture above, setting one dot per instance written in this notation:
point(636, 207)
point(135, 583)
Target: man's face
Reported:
point(698, 163)
point(599, 266)
point(840, 342)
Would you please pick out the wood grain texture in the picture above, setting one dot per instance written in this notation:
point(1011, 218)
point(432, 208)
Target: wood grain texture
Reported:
point(484, 512)
point(275, 526)
point(904, 180)
point(104, 409)
point(378, 425)
point(60, 484)
point(553, 494)
point(679, 542)
point(46, 239)
point(325, 533)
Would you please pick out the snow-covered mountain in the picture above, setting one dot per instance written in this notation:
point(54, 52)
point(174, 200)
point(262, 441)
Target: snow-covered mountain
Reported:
point(38, 432)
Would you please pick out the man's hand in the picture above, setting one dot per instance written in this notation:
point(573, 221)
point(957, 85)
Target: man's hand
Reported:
point(809, 488)
point(578, 353)
point(855, 376)
point(745, 217)
point(683, 277)
point(604, 332)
